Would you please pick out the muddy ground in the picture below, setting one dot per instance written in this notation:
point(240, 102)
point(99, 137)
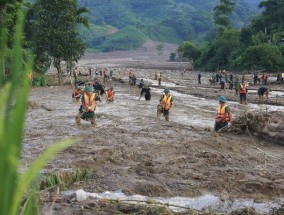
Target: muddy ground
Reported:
point(129, 150)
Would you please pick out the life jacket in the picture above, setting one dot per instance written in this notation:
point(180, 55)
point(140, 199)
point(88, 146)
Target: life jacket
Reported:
point(77, 92)
point(242, 89)
point(222, 112)
point(89, 101)
point(166, 102)
point(109, 94)
point(30, 75)
point(265, 77)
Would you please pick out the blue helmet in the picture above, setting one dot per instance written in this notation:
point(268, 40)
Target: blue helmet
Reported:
point(88, 89)
point(166, 91)
point(222, 99)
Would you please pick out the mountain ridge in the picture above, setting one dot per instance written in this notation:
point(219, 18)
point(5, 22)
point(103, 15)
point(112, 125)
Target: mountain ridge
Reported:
point(169, 21)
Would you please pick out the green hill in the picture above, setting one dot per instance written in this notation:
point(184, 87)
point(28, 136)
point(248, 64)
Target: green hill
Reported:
point(136, 21)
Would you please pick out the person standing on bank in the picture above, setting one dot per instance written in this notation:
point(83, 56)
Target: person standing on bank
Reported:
point(199, 78)
point(243, 93)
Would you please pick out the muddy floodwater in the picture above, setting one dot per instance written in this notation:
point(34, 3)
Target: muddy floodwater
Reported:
point(130, 150)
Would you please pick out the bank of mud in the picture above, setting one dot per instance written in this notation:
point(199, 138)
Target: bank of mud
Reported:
point(130, 150)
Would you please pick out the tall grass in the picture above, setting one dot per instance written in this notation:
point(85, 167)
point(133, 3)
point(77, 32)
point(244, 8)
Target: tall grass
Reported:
point(14, 186)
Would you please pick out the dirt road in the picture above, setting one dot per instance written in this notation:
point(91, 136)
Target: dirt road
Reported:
point(128, 149)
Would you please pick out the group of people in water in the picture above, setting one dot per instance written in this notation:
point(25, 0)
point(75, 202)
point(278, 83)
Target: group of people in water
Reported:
point(230, 81)
point(91, 93)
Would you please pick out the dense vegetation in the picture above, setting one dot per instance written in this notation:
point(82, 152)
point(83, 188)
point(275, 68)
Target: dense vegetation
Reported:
point(170, 21)
point(213, 34)
point(50, 30)
point(256, 46)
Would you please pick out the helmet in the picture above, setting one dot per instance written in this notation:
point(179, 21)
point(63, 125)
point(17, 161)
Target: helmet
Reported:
point(88, 89)
point(166, 91)
point(222, 99)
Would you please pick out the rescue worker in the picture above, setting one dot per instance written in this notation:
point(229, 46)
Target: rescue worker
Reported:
point(77, 93)
point(165, 105)
point(75, 73)
point(237, 84)
point(262, 91)
point(30, 77)
point(110, 94)
point(243, 93)
point(255, 76)
point(223, 114)
point(130, 75)
point(88, 106)
point(146, 89)
point(105, 75)
point(141, 84)
point(98, 87)
point(199, 78)
point(160, 79)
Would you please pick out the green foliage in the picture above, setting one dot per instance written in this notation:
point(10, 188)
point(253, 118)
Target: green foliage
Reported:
point(222, 12)
point(173, 56)
point(160, 48)
point(272, 16)
point(161, 20)
point(262, 56)
point(189, 50)
point(129, 38)
point(56, 33)
point(13, 104)
point(219, 54)
point(39, 81)
point(64, 179)
point(163, 33)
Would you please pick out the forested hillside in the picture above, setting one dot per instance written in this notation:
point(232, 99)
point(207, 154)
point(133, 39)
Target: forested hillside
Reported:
point(127, 24)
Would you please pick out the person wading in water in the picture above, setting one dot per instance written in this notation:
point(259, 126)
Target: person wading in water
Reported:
point(165, 105)
point(86, 111)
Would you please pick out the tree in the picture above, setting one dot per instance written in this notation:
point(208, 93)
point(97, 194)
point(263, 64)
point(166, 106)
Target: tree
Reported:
point(222, 12)
point(189, 50)
point(222, 51)
point(173, 56)
point(263, 56)
point(273, 15)
point(57, 37)
point(160, 48)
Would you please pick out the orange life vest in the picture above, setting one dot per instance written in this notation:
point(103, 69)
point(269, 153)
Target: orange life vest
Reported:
point(109, 94)
point(89, 101)
point(222, 113)
point(77, 92)
point(242, 89)
point(30, 75)
point(166, 102)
